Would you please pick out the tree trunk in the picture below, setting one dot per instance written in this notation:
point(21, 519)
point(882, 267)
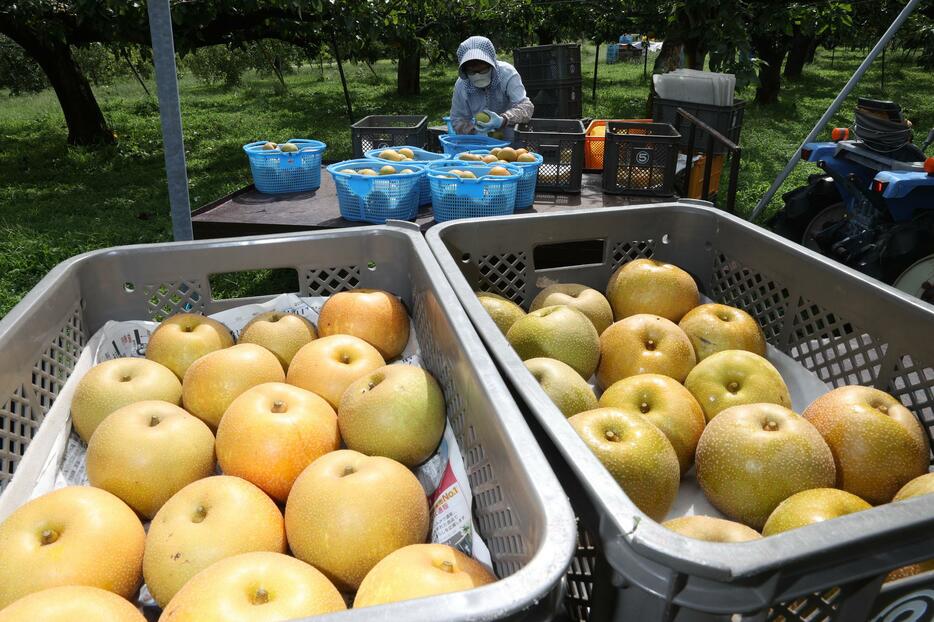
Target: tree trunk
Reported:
point(812, 50)
point(408, 73)
point(771, 50)
point(798, 54)
point(545, 33)
point(85, 121)
point(695, 53)
point(668, 57)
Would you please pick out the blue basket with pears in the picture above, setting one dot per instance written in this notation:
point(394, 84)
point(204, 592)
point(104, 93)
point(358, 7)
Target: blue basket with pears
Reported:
point(374, 191)
point(292, 166)
point(527, 161)
point(459, 143)
point(410, 154)
point(461, 189)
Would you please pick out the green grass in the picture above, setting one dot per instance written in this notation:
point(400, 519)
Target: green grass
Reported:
point(57, 201)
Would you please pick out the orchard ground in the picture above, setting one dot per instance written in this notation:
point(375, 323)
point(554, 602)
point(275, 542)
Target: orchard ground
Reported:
point(57, 201)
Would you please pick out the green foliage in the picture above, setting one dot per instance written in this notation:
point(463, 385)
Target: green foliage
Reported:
point(18, 73)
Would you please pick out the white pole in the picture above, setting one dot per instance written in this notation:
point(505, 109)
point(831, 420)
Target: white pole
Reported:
point(834, 106)
point(170, 114)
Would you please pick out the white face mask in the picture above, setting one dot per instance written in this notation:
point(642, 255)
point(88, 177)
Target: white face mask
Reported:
point(481, 80)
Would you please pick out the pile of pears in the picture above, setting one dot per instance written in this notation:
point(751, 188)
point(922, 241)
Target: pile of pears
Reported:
point(385, 170)
point(403, 155)
point(498, 155)
point(284, 147)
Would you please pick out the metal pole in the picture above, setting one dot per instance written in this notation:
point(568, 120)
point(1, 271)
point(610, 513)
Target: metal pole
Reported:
point(170, 114)
point(340, 69)
point(645, 52)
point(882, 60)
point(834, 106)
point(596, 63)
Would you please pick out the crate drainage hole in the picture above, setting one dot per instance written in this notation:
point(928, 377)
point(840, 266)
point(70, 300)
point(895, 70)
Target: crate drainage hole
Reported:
point(371, 265)
point(465, 258)
point(665, 239)
point(129, 287)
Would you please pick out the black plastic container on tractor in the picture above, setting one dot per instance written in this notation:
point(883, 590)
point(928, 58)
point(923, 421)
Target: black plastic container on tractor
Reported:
point(378, 131)
point(728, 120)
point(560, 142)
point(548, 63)
point(560, 99)
point(640, 158)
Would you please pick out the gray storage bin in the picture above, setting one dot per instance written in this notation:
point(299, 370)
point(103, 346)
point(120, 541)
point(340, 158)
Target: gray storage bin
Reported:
point(838, 323)
point(519, 507)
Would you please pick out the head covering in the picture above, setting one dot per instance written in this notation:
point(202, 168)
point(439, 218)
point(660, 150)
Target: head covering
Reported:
point(476, 48)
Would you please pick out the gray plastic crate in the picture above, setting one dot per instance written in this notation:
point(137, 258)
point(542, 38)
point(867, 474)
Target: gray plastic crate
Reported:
point(384, 130)
point(841, 325)
point(561, 143)
point(519, 507)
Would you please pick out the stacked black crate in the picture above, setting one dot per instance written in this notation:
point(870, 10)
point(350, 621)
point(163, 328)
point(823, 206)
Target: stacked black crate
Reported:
point(552, 78)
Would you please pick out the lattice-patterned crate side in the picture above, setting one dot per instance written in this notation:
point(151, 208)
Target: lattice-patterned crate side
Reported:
point(493, 514)
point(327, 281)
point(813, 607)
point(839, 352)
point(504, 275)
point(55, 365)
point(624, 252)
point(580, 576)
point(165, 299)
point(734, 284)
point(19, 421)
point(912, 382)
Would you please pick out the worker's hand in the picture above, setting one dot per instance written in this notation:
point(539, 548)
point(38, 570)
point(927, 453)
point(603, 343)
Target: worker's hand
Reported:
point(495, 122)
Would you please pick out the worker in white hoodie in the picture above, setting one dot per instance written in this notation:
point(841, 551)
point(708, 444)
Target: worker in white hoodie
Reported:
point(490, 86)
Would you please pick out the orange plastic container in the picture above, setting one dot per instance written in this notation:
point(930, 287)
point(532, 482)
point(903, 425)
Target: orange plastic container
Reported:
point(697, 176)
point(593, 143)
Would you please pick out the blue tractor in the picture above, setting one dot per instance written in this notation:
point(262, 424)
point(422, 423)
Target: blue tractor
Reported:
point(872, 206)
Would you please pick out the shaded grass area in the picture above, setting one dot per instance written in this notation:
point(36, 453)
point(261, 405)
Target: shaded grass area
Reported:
point(57, 201)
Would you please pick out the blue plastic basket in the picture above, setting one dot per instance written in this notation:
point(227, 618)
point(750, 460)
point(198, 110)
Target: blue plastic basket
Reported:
point(377, 198)
point(421, 157)
point(488, 195)
point(459, 143)
point(525, 191)
point(275, 172)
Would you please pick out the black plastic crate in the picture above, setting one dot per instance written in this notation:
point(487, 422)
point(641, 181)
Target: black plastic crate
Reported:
point(561, 143)
point(728, 120)
point(640, 158)
point(434, 142)
point(378, 131)
point(557, 100)
point(546, 63)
